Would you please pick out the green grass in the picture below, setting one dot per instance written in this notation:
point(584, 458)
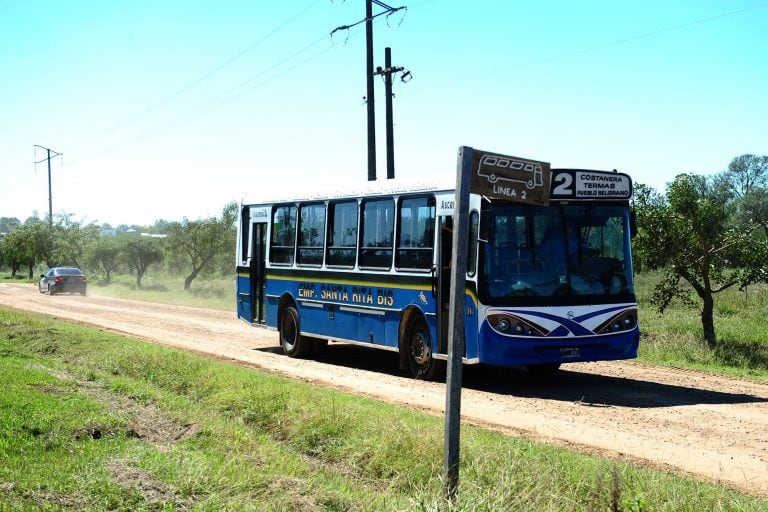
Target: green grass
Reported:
point(169, 289)
point(675, 337)
point(94, 421)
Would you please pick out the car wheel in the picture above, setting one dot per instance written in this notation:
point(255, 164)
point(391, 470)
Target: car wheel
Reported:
point(50, 290)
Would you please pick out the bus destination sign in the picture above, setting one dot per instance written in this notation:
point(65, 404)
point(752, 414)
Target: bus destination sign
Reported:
point(582, 184)
point(510, 178)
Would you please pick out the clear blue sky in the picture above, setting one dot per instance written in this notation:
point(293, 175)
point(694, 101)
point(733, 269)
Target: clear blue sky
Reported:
point(170, 109)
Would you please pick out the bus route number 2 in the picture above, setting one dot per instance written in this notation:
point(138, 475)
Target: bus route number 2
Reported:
point(562, 184)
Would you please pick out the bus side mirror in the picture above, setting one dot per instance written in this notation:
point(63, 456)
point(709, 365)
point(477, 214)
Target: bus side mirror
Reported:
point(632, 224)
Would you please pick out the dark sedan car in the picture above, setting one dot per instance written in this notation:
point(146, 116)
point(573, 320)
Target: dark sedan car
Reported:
point(63, 280)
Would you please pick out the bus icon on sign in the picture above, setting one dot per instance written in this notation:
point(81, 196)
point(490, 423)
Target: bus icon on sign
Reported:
point(495, 168)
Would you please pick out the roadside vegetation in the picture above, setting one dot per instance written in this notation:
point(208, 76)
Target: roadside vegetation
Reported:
point(94, 421)
point(675, 338)
point(672, 338)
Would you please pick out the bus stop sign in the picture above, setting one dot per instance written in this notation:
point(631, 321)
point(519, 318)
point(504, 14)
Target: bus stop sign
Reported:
point(510, 178)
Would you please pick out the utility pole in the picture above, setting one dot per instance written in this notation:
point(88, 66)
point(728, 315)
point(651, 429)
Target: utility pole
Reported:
point(369, 17)
point(50, 194)
point(369, 90)
point(387, 73)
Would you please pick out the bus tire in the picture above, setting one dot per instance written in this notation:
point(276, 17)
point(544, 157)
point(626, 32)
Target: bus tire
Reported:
point(419, 350)
point(293, 343)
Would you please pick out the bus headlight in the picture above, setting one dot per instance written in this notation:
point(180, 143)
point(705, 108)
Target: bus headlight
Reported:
point(512, 325)
point(624, 321)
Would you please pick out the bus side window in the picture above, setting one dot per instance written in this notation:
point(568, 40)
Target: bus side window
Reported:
point(282, 246)
point(311, 233)
point(416, 239)
point(378, 225)
point(342, 234)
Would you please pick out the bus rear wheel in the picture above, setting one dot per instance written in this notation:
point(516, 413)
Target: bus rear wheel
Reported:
point(419, 346)
point(293, 343)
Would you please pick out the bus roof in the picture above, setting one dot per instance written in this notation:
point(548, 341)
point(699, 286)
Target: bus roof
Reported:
point(330, 189)
point(365, 188)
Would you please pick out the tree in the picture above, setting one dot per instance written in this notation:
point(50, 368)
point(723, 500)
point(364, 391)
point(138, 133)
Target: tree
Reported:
point(753, 207)
point(690, 233)
point(202, 241)
point(70, 240)
point(746, 181)
point(160, 227)
point(27, 245)
point(9, 254)
point(8, 224)
point(105, 254)
point(746, 173)
point(650, 208)
point(140, 253)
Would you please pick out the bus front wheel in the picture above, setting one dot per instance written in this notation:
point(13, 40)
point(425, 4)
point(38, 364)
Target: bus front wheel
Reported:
point(293, 343)
point(419, 345)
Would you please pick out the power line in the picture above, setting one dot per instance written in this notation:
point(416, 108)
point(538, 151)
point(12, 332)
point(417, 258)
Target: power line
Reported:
point(184, 119)
point(388, 11)
point(205, 76)
point(651, 34)
point(201, 109)
point(196, 112)
point(600, 46)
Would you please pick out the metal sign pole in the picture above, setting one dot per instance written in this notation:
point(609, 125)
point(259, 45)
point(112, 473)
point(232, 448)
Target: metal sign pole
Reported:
point(456, 346)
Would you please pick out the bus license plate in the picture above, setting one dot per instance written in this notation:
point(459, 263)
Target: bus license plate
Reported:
point(569, 352)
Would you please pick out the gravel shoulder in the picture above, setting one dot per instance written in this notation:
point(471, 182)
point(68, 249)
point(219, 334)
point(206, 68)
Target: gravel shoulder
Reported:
point(708, 427)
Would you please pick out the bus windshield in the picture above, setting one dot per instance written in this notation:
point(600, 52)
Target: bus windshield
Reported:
point(573, 252)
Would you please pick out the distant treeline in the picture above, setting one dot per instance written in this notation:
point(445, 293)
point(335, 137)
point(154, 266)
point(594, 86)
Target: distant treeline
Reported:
point(191, 247)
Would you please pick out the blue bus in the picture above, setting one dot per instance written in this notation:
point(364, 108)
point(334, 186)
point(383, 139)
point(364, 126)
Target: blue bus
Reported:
point(545, 285)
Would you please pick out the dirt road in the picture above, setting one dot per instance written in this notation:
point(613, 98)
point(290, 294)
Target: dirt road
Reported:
point(709, 427)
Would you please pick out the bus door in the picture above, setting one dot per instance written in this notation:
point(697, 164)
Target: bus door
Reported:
point(445, 246)
point(257, 271)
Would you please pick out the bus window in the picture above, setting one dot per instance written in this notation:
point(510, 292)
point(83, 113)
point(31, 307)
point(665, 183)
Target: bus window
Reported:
point(281, 248)
point(416, 236)
point(576, 251)
point(245, 222)
point(311, 232)
point(378, 225)
point(342, 234)
point(605, 255)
